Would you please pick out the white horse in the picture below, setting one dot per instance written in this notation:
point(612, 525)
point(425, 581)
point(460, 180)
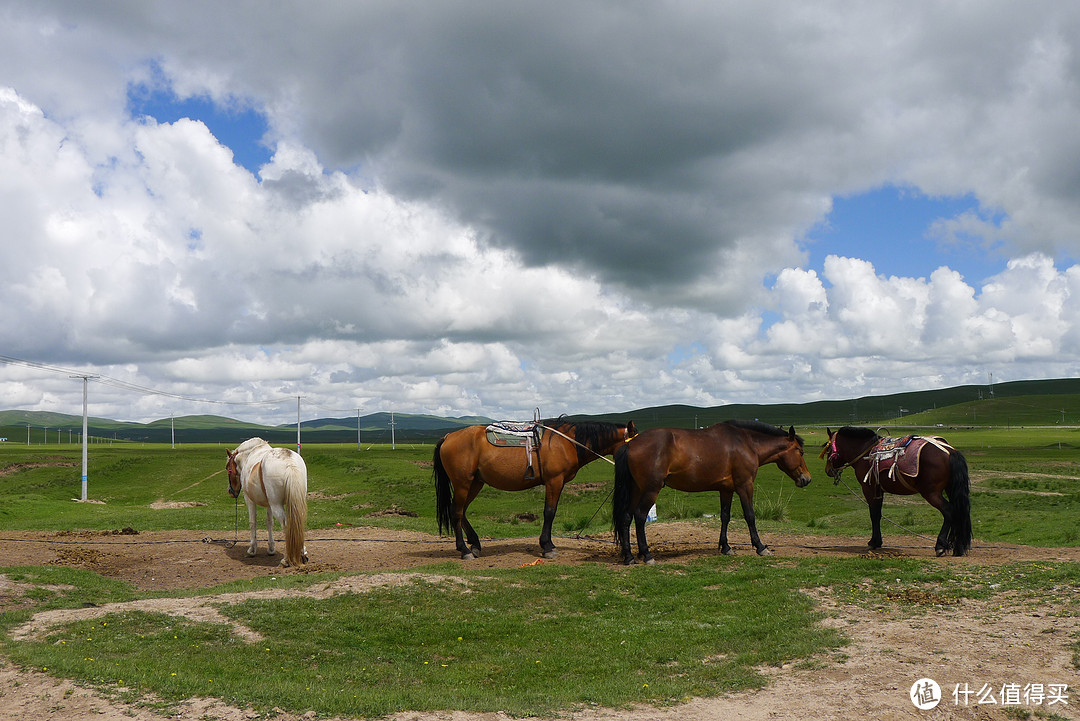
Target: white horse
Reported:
point(275, 478)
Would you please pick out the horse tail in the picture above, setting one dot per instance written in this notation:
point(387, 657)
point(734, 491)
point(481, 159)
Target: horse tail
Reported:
point(296, 513)
point(624, 482)
point(959, 503)
point(444, 491)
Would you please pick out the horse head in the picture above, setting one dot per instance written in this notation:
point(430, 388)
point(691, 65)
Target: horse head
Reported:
point(233, 469)
point(845, 447)
point(792, 461)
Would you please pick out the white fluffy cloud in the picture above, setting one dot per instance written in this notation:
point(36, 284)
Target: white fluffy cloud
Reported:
point(471, 211)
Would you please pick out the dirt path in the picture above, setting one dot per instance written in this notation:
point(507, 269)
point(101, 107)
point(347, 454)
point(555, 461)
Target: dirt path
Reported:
point(1011, 640)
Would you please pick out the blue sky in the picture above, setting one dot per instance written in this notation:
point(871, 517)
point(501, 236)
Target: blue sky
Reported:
point(891, 227)
point(241, 129)
point(467, 209)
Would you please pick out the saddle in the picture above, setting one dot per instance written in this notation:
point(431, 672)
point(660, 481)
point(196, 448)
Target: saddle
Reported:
point(515, 434)
point(898, 458)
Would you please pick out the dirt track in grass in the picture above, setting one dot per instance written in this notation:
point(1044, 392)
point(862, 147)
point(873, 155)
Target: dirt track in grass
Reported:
point(1009, 640)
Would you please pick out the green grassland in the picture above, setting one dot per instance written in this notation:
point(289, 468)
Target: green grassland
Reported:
point(1025, 489)
point(541, 640)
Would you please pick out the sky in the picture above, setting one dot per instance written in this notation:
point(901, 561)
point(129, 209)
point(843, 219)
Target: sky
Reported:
point(466, 208)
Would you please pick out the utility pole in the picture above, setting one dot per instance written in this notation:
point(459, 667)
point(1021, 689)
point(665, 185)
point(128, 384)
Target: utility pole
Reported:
point(358, 446)
point(298, 424)
point(172, 429)
point(393, 443)
point(85, 379)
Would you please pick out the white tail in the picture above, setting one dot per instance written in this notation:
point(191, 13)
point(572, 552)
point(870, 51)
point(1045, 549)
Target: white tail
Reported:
point(295, 514)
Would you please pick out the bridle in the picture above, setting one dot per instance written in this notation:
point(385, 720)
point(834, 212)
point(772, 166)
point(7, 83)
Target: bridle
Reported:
point(833, 467)
point(236, 483)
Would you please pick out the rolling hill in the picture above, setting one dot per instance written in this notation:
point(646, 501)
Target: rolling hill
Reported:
point(1042, 402)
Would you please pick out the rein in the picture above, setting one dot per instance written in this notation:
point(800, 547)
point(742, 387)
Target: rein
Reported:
point(603, 458)
point(839, 470)
point(581, 445)
point(839, 479)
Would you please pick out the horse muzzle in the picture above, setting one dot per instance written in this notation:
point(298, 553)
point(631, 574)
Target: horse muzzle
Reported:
point(234, 492)
point(803, 481)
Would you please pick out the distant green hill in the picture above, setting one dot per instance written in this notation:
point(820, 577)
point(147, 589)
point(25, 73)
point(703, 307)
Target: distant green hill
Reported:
point(1046, 402)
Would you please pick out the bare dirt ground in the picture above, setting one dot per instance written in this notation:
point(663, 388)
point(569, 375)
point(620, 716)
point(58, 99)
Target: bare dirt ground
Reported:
point(1009, 640)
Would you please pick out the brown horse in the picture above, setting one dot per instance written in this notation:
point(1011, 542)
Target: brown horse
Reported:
point(724, 457)
point(465, 460)
point(941, 470)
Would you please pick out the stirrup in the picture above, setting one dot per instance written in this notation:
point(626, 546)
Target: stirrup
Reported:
point(529, 475)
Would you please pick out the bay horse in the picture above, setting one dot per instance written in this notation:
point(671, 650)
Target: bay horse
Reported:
point(724, 457)
point(942, 471)
point(464, 461)
point(277, 479)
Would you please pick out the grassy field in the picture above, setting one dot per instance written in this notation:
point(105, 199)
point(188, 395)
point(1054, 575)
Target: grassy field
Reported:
point(1026, 489)
point(657, 635)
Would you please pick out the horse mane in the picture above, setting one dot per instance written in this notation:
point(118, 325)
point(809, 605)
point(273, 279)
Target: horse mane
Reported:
point(857, 432)
point(250, 444)
point(591, 434)
point(764, 428)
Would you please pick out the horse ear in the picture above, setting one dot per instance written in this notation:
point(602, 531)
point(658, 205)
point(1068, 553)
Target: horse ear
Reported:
point(791, 433)
point(631, 429)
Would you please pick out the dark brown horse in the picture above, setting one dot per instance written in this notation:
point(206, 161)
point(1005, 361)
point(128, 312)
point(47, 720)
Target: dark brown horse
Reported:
point(465, 460)
point(940, 471)
point(724, 458)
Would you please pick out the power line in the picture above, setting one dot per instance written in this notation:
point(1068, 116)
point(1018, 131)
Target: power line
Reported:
point(135, 387)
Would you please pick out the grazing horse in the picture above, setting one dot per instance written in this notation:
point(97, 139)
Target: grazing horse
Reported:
point(724, 457)
point(942, 469)
point(464, 461)
point(275, 478)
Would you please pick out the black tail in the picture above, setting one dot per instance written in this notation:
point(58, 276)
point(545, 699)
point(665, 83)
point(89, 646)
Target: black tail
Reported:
point(959, 504)
point(624, 483)
point(444, 492)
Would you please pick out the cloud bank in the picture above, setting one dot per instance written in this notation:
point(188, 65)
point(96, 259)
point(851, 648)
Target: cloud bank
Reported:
point(586, 207)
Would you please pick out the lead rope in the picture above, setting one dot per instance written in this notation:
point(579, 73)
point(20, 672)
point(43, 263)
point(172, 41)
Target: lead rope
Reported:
point(840, 479)
point(604, 458)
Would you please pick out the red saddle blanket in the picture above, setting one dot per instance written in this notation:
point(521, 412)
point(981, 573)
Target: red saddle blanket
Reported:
point(899, 457)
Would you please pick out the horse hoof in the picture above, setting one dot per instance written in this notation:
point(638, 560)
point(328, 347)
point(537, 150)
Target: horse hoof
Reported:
point(468, 557)
point(764, 551)
point(628, 562)
point(550, 554)
point(940, 552)
point(650, 561)
point(476, 551)
point(728, 551)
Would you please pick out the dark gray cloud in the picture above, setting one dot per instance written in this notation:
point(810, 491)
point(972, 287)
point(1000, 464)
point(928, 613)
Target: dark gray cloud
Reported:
point(479, 207)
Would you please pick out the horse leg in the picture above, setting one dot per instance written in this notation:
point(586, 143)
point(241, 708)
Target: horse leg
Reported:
point(462, 499)
point(746, 497)
point(270, 530)
point(943, 544)
point(641, 512)
point(874, 498)
point(278, 513)
point(622, 535)
point(552, 491)
point(253, 521)
point(725, 517)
